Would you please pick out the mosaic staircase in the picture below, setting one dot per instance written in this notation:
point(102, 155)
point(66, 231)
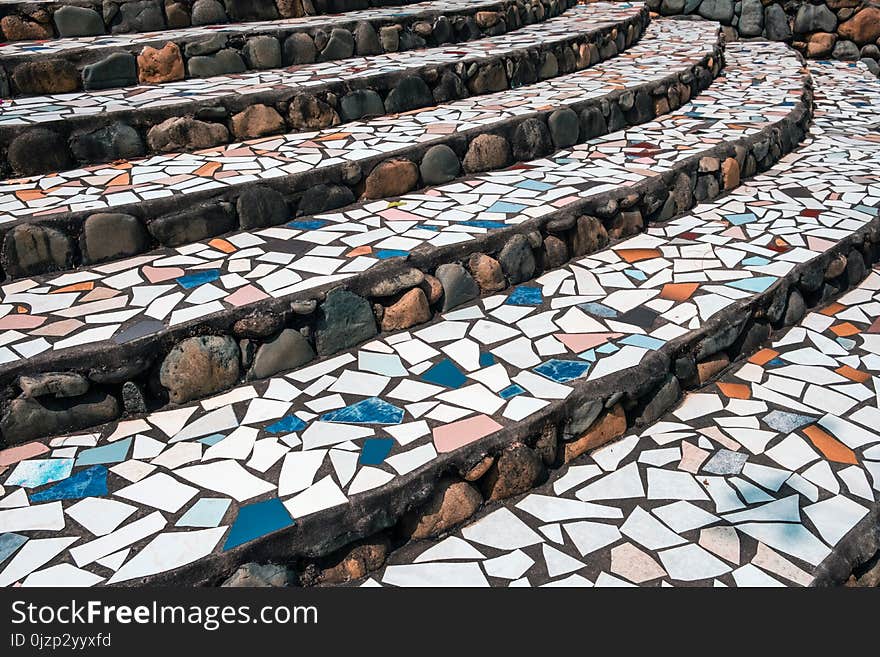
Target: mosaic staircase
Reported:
point(359, 327)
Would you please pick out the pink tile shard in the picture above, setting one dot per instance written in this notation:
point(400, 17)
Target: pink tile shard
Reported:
point(450, 437)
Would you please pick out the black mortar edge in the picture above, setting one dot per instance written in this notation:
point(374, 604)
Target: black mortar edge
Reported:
point(84, 56)
point(325, 532)
point(113, 355)
point(143, 119)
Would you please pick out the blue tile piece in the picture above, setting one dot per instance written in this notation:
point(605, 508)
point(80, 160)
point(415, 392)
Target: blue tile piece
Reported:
point(385, 254)
point(589, 355)
point(286, 424)
point(436, 229)
point(597, 309)
point(533, 185)
point(199, 278)
point(375, 451)
point(525, 296)
point(482, 223)
point(9, 543)
point(637, 274)
point(444, 373)
point(562, 370)
point(368, 411)
point(754, 284)
point(257, 519)
point(776, 362)
point(308, 224)
point(756, 261)
point(786, 422)
point(846, 343)
point(212, 440)
point(36, 472)
point(740, 219)
point(207, 512)
point(607, 348)
point(504, 206)
point(486, 359)
point(91, 482)
point(112, 453)
point(645, 341)
point(511, 391)
point(385, 364)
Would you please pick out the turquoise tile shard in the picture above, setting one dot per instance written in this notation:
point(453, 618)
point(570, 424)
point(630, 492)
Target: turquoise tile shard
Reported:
point(562, 370)
point(375, 451)
point(525, 296)
point(112, 453)
point(256, 520)
point(9, 543)
point(369, 411)
point(91, 482)
point(37, 472)
point(445, 373)
point(207, 512)
point(286, 424)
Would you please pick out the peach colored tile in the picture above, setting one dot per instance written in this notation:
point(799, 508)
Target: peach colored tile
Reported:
point(450, 437)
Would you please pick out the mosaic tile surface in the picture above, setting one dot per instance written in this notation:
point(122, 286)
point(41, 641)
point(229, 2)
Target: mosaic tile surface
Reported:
point(143, 295)
point(327, 22)
point(147, 495)
point(42, 109)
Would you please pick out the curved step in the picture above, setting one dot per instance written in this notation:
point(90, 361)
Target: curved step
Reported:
point(66, 65)
point(439, 421)
point(115, 330)
point(40, 19)
point(95, 127)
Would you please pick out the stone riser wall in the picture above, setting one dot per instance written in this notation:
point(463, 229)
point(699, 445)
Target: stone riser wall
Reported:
point(820, 29)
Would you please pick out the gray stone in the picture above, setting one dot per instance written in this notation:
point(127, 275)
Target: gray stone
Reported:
point(27, 418)
point(642, 109)
point(113, 142)
point(814, 18)
point(54, 384)
point(685, 369)
point(254, 575)
point(855, 268)
point(262, 52)
point(339, 46)
point(37, 151)
point(251, 10)
point(439, 165)
point(199, 366)
point(112, 235)
point(32, 249)
point(361, 103)
point(751, 18)
point(564, 127)
point(260, 206)
point(488, 78)
point(872, 65)
point(660, 401)
point(722, 339)
point(140, 16)
point(118, 69)
point(750, 339)
point(208, 12)
point(581, 417)
point(391, 285)
point(133, 400)
point(220, 63)
point(410, 93)
point(183, 133)
point(389, 37)
point(206, 46)
point(776, 27)
point(458, 285)
point(72, 21)
point(592, 123)
point(193, 224)
point(344, 320)
point(284, 352)
point(717, 10)
point(531, 140)
point(549, 67)
point(450, 87)
point(517, 260)
point(366, 40)
point(299, 49)
point(812, 277)
point(672, 7)
point(845, 50)
point(321, 198)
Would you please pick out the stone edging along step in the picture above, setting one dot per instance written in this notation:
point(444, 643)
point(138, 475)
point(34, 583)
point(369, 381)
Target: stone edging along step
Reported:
point(126, 359)
point(81, 129)
point(44, 19)
point(69, 65)
point(350, 159)
point(627, 366)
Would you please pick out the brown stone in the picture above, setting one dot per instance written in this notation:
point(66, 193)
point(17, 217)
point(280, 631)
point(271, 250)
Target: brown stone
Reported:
point(391, 178)
point(157, 65)
point(453, 502)
point(835, 267)
point(15, 28)
point(555, 252)
point(486, 152)
point(730, 173)
point(862, 28)
point(257, 121)
point(48, 76)
point(590, 236)
point(411, 309)
point(486, 19)
point(487, 272)
point(479, 469)
point(308, 113)
point(358, 562)
point(185, 133)
point(290, 8)
point(515, 471)
point(605, 429)
point(661, 106)
point(820, 44)
point(432, 288)
point(626, 224)
point(709, 368)
point(200, 366)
